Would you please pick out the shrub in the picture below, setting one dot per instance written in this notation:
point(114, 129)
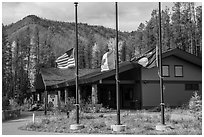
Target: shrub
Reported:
point(195, 105)
point(87, 116)
point(70, 105)
point(14, 105)
point(5, 103)
point(89, 107)
point(98, 125)
point(41, 107)
point(45, 121)
point(27, 105)
point(34, 126)
point(72, 114)
point(50, 106)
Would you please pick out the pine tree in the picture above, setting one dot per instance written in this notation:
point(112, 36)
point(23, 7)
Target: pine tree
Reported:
point(6, 65)
point(199, 31)
point(16, 67)
point(166, 30)
point(33, 58)
point(21, 63)
point(176, 25)
point(140, 37)
point(95, 54)
point(81, 54)
point(130, 47)
point(123, 52)
point(152, 31)
point(88, 51)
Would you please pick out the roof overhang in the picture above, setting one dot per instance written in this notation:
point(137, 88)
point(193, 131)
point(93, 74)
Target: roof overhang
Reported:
point(183, 55)
point(54, 78)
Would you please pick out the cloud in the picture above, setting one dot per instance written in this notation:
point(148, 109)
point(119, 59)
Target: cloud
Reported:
point(131, 14)
point(104, 14)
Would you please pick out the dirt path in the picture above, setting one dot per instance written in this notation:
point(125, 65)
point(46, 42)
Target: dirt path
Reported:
point(11, 127)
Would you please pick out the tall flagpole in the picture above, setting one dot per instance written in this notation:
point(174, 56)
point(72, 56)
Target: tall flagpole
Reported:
point(77, 125)
point(118, 127)
point(77, 69)
point(160, 69)
point(117, 68)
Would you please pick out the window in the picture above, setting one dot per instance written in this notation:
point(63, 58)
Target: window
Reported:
point(165, 70)
point(193, 87)
point(178, 71)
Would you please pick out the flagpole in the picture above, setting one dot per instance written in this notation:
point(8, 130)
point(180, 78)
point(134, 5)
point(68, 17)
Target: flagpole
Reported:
point(160, 69)
point(117, 67)
point(76, 126)
point(119, 127)
point(77, 69)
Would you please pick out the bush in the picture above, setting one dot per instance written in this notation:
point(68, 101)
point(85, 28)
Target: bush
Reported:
point(50, 106)
point(45, 121)
point(70, 105)
point(14, 105)
point(89, 107)
point(72, 114)
point(5, 103)
point(86, 106)
point(195, 105)
point(27, 105)
point(68, 108)
point(34, 126)
point(99, 125)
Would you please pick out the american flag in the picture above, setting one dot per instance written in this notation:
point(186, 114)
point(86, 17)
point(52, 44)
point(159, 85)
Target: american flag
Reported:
point(66, 60)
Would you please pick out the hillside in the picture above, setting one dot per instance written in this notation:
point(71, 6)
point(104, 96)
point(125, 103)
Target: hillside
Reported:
point(61, 35)
point(56, 37)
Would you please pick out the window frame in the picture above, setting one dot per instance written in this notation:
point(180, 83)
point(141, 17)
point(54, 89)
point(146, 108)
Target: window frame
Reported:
point(175, 70)
point(163, 71)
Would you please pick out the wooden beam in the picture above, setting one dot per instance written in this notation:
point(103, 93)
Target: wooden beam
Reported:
point(66, 92)
point(46, 101)
point(113, 82)
point(94, 94)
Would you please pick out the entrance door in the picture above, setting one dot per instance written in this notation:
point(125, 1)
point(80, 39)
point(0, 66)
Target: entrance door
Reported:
point(108, 96)
point(127, 96)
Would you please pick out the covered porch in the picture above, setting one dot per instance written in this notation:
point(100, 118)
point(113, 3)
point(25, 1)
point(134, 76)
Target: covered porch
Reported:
point(95, 85)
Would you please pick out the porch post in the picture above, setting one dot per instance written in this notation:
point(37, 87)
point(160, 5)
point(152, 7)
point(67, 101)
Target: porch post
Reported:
point(94, 95)
point(46, 102)
point(33, 97)
point(59, 98)
point(38, 97)
point(66, 90)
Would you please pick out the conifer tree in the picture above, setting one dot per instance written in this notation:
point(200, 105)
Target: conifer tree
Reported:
point(6, 65)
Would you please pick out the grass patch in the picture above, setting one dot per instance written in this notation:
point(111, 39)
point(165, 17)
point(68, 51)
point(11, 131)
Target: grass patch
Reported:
point(137, 122)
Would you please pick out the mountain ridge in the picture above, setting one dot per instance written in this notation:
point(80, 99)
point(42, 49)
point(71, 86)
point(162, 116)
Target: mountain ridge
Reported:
point(62, 31)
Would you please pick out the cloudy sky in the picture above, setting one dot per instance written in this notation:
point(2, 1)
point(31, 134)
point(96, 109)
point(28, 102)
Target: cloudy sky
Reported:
point(131, 14)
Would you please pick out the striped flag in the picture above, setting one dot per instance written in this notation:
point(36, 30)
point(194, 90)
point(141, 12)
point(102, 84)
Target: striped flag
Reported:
point(108, 61)
point(148, 59)
point(66, 60)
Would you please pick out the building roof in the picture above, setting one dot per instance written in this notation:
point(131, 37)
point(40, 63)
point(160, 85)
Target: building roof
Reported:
point(183, 55)
point(98, 75)
point(57, 78)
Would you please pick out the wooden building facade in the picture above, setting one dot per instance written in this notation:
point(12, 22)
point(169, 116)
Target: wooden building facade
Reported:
point(139, 86)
